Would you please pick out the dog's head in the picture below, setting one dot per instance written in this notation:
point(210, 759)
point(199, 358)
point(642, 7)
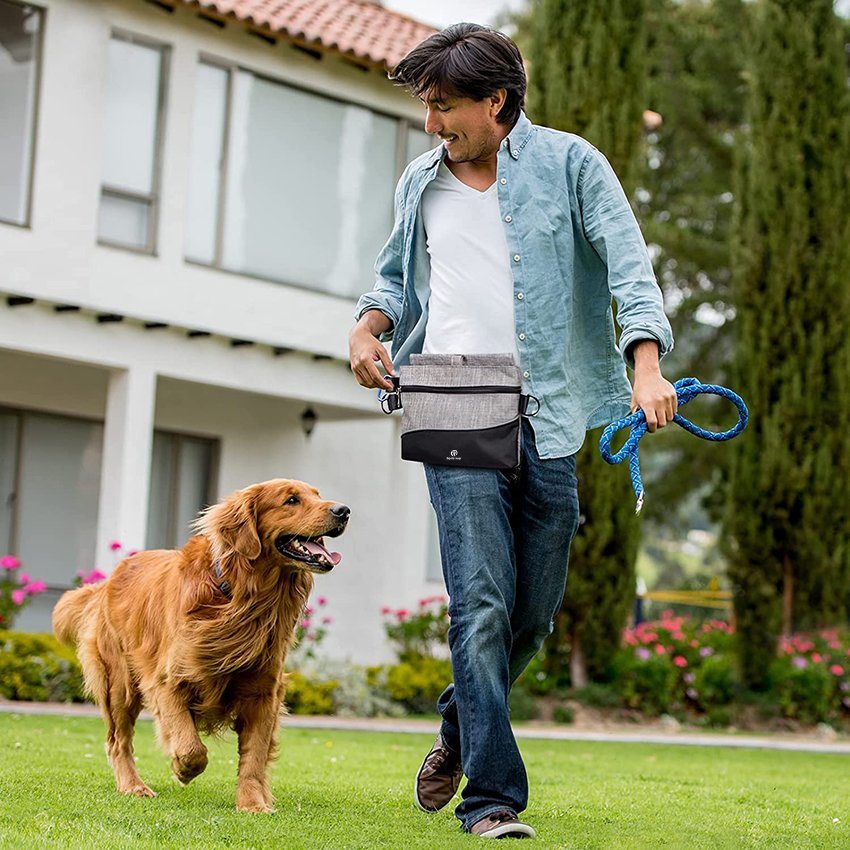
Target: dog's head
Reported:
point(281, 520)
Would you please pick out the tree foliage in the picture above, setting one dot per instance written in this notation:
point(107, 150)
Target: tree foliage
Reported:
point(787, 527)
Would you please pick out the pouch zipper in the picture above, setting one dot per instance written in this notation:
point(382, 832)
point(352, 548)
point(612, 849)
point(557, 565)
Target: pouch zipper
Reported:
point(498, 388)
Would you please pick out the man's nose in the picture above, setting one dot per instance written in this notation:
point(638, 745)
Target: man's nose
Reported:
point(432, 125)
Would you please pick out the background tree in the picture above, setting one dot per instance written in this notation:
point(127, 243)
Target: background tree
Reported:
point(787, 528)
point(588, 76)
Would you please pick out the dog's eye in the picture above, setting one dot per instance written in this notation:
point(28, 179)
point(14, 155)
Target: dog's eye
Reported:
point(292, 500)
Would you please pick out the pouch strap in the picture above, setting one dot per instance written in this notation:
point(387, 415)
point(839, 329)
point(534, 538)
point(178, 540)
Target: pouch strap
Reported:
point(524, 401)
point(390, 400)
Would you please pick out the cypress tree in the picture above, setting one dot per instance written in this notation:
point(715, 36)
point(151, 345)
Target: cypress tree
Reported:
point(787, 528)
point(587, 76)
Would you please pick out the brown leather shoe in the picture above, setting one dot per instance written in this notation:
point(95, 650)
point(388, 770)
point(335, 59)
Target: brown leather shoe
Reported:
point(438, 778)
point(502, 825)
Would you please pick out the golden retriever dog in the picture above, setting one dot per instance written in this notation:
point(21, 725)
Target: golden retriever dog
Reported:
point(199, 635)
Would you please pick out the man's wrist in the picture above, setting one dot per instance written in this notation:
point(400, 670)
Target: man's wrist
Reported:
point(375, 322)
point(645, 353)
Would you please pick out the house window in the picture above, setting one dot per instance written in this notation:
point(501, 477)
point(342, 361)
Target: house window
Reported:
point(288, 185)
point(181, 486)
point(49, 492)
point(133, 133)
point(418, 141)
point(20, 51)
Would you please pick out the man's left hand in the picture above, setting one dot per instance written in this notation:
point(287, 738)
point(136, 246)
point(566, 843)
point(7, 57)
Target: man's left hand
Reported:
point(652, 393)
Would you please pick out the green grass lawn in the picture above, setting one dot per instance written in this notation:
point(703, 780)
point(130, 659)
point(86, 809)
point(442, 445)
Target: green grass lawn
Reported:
point(353, 790)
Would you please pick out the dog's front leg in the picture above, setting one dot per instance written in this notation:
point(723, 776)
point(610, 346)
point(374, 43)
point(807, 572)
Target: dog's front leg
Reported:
point(256, 725)
point(178, 735)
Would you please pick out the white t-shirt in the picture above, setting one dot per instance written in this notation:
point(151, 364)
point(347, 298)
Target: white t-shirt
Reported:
point(471, 307)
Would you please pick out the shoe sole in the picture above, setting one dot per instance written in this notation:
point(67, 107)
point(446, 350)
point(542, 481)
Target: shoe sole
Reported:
point(516, 830)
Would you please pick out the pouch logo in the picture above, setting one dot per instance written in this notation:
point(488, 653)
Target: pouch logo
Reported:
point(453, 455)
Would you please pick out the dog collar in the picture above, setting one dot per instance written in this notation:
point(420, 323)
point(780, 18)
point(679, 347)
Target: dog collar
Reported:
point(223, 585)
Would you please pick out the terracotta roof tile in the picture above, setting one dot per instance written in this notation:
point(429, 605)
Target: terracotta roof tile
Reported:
point(362, 29)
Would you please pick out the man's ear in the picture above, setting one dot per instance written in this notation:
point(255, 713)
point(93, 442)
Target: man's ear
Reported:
point(231, 526)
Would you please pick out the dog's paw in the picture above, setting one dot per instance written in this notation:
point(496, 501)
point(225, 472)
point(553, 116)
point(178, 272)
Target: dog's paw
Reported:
point(187, 766)
point(138, 789)
point(257, 807)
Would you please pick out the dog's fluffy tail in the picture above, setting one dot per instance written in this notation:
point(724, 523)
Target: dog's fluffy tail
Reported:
point(70, 611)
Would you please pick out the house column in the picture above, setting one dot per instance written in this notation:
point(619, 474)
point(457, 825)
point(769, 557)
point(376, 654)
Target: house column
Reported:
point(125, 472)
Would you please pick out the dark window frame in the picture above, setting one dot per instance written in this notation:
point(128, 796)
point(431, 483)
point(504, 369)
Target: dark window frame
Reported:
point(36, 106)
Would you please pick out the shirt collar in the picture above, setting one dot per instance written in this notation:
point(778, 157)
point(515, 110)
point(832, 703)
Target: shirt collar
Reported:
point(515, 141)
point(518, 138)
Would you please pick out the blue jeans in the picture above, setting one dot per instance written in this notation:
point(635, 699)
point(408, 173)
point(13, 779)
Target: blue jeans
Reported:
point(504, 541)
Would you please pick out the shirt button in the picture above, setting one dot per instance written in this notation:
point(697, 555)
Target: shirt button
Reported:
point(508, 218)
point(503, 181)
point(522, 336)
point(516, 258)
point(519, 296)
point(526, 374)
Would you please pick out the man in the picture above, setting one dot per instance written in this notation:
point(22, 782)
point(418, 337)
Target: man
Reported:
point(508, 238)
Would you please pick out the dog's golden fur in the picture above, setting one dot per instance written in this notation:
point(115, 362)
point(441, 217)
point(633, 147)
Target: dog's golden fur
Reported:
point(161, 633)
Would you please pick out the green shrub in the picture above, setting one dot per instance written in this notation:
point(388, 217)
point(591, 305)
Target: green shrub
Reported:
point(645, 684)
point(304, 696)
point(563, 713)
point(536, 680)
point(597, 695)
point(37, 667)
point(522, 704)
point(803, 693)
point(416, 685)
point(714, 682)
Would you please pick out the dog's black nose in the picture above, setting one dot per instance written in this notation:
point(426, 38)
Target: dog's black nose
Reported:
point(341, 511)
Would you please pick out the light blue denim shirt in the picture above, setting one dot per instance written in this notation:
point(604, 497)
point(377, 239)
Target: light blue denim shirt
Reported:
point(574, 243)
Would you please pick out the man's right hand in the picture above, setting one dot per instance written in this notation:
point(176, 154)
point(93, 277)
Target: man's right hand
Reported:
point(365, 351)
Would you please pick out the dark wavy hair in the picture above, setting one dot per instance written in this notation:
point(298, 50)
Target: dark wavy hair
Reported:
point(466, 60)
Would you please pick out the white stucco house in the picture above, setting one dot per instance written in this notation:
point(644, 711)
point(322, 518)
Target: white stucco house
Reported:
point(192, 195)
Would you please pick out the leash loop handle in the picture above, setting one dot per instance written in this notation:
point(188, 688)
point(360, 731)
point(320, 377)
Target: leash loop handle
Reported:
point(687, 389)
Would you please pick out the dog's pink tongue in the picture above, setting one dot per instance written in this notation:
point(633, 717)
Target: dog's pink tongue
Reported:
point(317, 549)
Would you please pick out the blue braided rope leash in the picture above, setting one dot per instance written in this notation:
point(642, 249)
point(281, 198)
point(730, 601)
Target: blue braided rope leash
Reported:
point(686, 390)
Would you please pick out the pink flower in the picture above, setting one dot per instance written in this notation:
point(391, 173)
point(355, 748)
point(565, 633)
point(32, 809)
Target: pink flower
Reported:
point(816, 657)
point(659, 649)
point(322, 600)
point(9, 562)
point(642, 652)
point(799, 662)
point(694, 643)
point(35, 587)
point(305, 624)
point(836, 670)
point(385, 610)
point(327, 620)
point(18, 596)
point(680, 661)
point(402, 614)
point(93, 577)
point(115, 545)
point(23, 578)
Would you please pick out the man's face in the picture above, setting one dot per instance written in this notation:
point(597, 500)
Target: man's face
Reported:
point(468, 128)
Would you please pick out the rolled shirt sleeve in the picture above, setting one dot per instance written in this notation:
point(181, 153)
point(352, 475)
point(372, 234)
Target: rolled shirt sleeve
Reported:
point(388, 292)
point(611, 227)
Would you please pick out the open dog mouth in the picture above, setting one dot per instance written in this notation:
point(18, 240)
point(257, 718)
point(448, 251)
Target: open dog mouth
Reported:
point(308, 550)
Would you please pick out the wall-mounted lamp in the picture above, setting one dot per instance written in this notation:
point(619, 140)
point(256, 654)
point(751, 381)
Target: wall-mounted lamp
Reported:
point(308, 421)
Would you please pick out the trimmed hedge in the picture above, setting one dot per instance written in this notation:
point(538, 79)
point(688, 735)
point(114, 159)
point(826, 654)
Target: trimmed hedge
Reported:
point(37, 667)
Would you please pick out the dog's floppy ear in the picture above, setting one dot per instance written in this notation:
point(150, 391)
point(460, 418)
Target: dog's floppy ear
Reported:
point(231, 526)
